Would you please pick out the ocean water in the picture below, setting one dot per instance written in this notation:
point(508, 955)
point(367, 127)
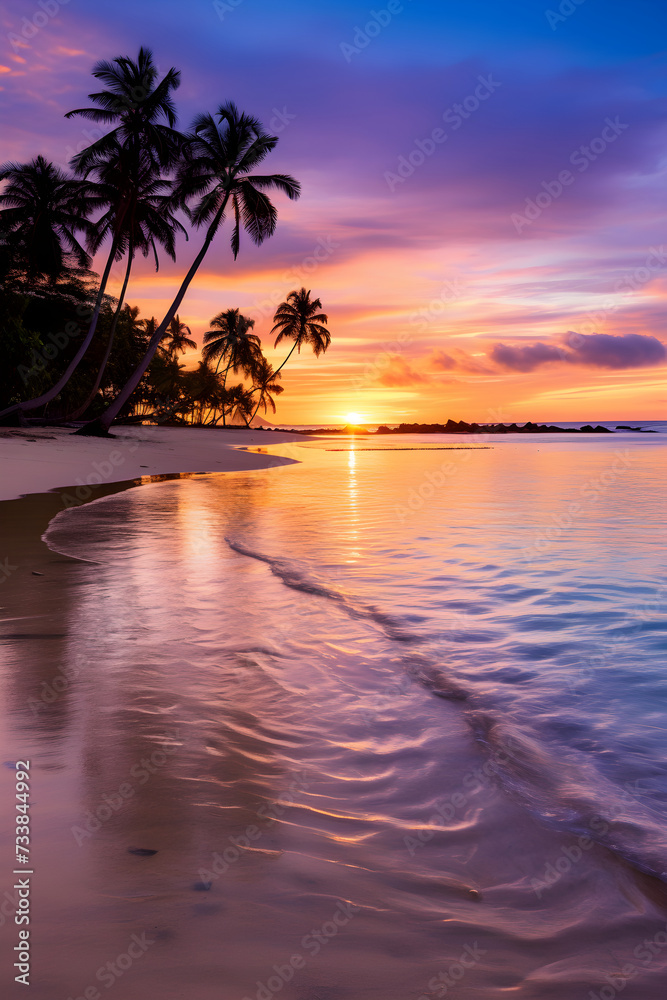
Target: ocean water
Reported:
point(394, 718)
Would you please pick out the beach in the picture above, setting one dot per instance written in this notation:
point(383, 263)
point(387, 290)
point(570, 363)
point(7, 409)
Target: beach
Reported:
point(41, 459)
point(333, 600)
point(367, 721)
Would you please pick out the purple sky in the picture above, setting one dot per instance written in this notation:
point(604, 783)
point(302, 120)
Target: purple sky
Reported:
point(482, 233)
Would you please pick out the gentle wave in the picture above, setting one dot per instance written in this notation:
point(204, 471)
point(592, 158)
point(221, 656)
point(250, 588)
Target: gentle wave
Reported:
point(563, 792)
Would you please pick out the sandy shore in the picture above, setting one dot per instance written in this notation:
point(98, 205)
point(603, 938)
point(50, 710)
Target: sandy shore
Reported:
point(36, 461)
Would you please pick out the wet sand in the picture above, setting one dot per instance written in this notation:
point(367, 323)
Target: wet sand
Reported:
point(283, 772)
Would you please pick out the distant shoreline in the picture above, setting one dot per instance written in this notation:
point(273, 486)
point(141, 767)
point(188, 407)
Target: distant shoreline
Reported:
point(463, 427)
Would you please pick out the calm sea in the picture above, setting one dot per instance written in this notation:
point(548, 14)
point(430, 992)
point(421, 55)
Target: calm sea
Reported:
point(394, 718)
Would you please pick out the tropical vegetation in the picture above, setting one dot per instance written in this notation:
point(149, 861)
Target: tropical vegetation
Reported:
point(73, 352)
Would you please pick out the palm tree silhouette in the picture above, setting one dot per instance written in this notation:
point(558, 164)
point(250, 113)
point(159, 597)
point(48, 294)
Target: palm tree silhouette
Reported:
point(299, 319)
point(230, 341)
point(178, 338)
point(267, 385)
point(42, 211)
point(149, 325)
point(205, 392)
point(239, 403)
point(216, 170)
point(144, 118)
point(147, 222)
point(143, 112)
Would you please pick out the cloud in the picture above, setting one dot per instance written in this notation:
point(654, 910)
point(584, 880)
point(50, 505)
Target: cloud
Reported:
point(597, 350)
point(400, 374)
point(458, 361)
point(526, 358)
point(602, 350)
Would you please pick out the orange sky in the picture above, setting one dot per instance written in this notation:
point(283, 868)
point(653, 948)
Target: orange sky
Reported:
point(450, 291)
point(390, 318)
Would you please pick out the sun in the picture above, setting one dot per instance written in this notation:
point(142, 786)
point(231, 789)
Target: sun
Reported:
point(354, 418)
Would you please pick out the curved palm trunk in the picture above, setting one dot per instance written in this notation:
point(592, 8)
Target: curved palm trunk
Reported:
point(100, 427)
point(50, 394)
point(259, 403)
point(296, 342)
point(112, 333)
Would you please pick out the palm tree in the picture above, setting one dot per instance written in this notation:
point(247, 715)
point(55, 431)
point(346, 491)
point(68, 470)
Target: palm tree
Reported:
point(144, 117)
point(230, 340)
point(216, 170)
point(149, 325)
point(179, 338)
point(299, 319)
point(42, 211)
point(142, 111)
point(205, 390)
point(240, 403)
point(267, 385)
point(147, 222)
point(165, 385)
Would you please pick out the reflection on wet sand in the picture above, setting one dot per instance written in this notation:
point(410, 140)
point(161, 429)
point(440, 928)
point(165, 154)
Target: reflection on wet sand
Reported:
point(247, 789)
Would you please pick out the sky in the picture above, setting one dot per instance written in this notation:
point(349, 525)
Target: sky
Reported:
point(484, 199)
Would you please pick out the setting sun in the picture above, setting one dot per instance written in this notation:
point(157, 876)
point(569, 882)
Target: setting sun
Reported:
point(354, 418)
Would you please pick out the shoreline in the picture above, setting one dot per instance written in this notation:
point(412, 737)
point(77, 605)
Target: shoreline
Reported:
point(61, 669)
point(48, 460)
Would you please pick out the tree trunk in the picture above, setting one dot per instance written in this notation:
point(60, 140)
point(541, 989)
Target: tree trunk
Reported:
point(296, 343)
point(34, 404)
point(259, 403)
point(273, 376)
point(100, 426)
point(112, 333)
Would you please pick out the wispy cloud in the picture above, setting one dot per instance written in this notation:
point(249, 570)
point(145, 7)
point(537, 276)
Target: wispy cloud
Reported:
point(399, 374)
